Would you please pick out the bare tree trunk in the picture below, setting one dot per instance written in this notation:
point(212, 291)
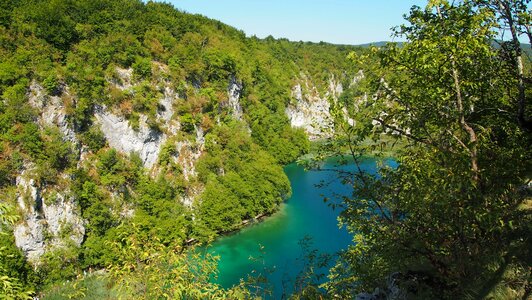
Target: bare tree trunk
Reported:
point(472, 145)
point(506, 12)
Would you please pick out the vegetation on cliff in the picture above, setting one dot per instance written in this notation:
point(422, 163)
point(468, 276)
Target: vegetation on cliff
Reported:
point(452, 221)
point(93, 57)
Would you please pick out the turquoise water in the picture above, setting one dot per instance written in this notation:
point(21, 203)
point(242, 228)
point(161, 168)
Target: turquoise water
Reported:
point(303, 215)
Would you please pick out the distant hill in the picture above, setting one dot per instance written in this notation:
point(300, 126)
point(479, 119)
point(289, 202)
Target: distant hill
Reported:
point(497, 44)
point(376, 44)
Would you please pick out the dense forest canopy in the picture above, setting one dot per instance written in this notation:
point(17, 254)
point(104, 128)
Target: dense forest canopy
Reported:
point(456, 209)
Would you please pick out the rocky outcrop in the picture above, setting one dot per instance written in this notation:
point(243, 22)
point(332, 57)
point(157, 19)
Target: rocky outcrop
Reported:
point(165, 112)
point(51, 111)
point(123, 79)
point(29, 235)
point(310, 110)
point(188, 153)
point(47, 223)
point(166, 109)
point(234, 91)
point(146, 142)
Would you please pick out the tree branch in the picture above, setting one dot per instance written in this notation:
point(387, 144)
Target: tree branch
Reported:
point(465, 126)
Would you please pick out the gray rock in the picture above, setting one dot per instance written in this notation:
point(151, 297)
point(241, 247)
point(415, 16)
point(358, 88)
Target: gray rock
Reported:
point(52, 111)
point(61, 213)
point(124, 77)
point(311, 111)
point(146, 142)
point(234, 92)
point(166, 104)
point(189, 152)
point(42, 218)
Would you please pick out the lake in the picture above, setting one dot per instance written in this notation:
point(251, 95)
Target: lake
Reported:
point(272, 247)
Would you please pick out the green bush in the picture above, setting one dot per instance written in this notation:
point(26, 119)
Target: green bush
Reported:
point(142, 67)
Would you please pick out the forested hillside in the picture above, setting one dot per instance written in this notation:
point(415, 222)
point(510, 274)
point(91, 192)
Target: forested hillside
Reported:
point(123, 115)
point(132, 132)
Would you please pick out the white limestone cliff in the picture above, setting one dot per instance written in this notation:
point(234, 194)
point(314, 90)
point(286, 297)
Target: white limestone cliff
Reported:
point(51, 111)
point(234, 92)
point(310, 108)
point(188, 153)
point(146, 142)
point(48, 221)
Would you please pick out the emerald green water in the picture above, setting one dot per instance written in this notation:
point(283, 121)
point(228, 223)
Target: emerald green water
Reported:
point(304, 214)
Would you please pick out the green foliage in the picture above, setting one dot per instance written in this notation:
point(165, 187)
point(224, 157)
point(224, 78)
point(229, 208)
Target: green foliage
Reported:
point(10, 164)
point(147, 269)
point(59, 264)
point(51, 85)
point(74, 49)
point(219, 66)
point(112, 169)
point(51, 21)
point(15, 274)
point(161, 211)
point(251, 185)
point(29, 138)
point(449, 218)
point(167, 151)
point(58, 153)
point(155, 202)
point(187, 122)
point(94, 139)
point(90, 287)
point(142, 67)
point(285, 143)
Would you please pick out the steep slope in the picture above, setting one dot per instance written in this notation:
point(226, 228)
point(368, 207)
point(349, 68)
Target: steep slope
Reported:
point(120, 112)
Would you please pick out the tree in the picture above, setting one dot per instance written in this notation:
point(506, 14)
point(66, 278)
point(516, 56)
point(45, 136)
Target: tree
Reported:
point(513, 16)
point(452, 211)
point(147, 269)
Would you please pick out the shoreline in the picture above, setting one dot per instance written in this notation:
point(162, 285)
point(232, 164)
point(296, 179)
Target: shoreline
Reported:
point(247, 223)
point(306, 158)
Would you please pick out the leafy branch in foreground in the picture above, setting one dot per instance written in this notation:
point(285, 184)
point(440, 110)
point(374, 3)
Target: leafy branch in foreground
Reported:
point(10, 287)
point(147, 269)
point(453, 216)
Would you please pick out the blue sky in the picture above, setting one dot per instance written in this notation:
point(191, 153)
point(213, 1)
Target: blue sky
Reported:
point(334, 21)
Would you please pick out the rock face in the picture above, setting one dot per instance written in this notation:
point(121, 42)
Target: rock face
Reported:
point(29, 235)
point(166, 110)
point(234, 92)
point(48, 223)
point(52, 111)
point(119, 134)
point(189, 152)
point(124, 78)
point(49, 219)
point(310, 110)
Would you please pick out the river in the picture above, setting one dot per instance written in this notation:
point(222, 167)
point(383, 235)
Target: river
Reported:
point(272, 247)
